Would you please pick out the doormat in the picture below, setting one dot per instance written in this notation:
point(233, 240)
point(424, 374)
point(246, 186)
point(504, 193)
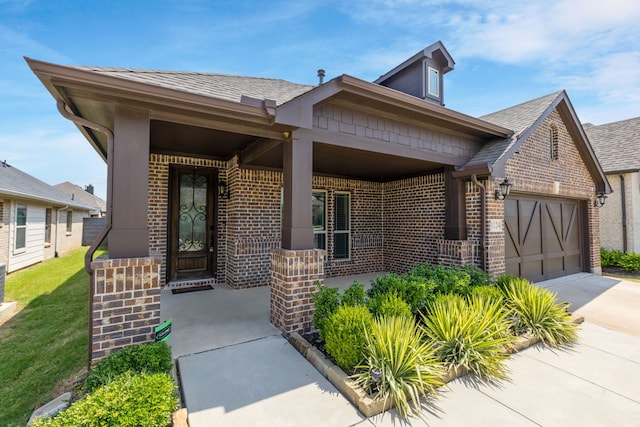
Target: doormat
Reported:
point(191, 289)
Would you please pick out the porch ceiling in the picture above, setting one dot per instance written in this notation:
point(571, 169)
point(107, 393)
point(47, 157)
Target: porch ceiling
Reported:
point(257, 152)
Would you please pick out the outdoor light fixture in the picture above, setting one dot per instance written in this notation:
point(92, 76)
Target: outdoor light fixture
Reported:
point(503, 192)
point(222, 189)
point(376, 374)
point(600, 200)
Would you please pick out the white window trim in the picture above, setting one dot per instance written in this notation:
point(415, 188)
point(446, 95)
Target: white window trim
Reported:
point(429, 88)
point(68, 227)
point(348, 231)
point(17, 250)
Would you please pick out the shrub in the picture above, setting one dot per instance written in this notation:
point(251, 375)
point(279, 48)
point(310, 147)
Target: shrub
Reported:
point(537, 310)
point(477, 276)
point(408, 370)
point(354, 295)
point(447, 280)
point(345, 335)
point(150, 358)
point(610, 258)
point(415, 291)
point(128, 401)
point(389, 304)
point(327, 301)
point(630, 261)
point(472, 334)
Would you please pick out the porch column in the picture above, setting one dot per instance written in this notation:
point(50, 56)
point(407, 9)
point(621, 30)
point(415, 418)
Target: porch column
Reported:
point(296, 268)
point(297, 229)
point(129, 235)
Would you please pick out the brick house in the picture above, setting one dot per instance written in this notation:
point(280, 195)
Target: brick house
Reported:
point(617, 146)
point(256, 182)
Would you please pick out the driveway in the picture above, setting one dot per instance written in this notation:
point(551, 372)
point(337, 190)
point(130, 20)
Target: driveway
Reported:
point(265, 382)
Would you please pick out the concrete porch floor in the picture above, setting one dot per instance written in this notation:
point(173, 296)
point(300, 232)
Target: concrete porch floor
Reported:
point(223, 316)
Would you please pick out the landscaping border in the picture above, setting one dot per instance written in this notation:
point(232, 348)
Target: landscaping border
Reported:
point(358, 396)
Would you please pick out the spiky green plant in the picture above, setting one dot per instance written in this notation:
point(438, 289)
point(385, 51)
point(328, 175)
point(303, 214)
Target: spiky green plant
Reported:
point(398, 354)
point(538, 310)
point(471, 334)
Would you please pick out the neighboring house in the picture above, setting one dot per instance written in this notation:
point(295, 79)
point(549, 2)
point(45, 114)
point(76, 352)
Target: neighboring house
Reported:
point(84, 196)
point(617, 146)
point(37, 221)
point(256, 182)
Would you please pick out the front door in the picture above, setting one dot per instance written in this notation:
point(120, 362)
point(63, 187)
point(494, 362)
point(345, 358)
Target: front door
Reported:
point(192, 237)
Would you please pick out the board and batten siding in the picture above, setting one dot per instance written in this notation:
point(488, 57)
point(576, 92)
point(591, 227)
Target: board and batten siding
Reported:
point(33, 252)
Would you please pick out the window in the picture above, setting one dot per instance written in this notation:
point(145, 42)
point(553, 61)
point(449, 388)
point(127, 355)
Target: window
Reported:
point(342, 226)
point(553, 142)
point(69, 221)
point(21, 227)
point(433, 82)
point(319, 218)
point(47, 225)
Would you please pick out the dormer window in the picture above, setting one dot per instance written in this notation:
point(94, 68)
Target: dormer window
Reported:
point(433, 82)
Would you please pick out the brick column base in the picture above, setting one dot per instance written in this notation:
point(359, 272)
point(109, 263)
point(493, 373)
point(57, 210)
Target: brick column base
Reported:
point(126, 303)
point(294, 275)
point(456, 252)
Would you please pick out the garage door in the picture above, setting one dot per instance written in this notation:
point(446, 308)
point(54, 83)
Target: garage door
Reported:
point(543, 237)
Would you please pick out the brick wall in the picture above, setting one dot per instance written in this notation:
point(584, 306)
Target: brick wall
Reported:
point(533, 171)
point(414, 219)
point(126, 303)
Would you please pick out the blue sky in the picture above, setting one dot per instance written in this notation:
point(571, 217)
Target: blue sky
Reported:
point(506, 52)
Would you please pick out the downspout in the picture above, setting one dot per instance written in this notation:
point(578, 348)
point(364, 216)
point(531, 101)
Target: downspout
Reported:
point(624, 213)
point(483, 214)
point(55, 245)
point(88, 257)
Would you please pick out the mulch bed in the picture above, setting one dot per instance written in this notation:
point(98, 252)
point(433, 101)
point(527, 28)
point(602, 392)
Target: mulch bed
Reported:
point(619, 272)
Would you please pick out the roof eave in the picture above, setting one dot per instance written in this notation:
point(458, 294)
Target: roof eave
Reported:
point(33, 197)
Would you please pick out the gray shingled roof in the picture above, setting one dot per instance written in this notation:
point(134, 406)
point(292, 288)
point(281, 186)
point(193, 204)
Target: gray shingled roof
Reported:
point(15, 183)
point(82, 196)
point(222, 86)
point(519, 119)
point(617, 144)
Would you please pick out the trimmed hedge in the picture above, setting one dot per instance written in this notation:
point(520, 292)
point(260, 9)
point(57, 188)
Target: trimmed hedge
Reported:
point(128, 401)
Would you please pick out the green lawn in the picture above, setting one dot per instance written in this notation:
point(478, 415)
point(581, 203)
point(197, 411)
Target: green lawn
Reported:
point(46, 342)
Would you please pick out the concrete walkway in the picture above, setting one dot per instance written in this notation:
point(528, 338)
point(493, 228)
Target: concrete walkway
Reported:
point(249, 375)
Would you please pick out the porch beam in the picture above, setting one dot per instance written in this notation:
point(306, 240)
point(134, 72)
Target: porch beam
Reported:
point(129, 236)
point(367, 144)
point(297, 229)
point(258, 148)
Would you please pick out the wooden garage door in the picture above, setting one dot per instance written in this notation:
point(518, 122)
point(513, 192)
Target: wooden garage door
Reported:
point(543, 237)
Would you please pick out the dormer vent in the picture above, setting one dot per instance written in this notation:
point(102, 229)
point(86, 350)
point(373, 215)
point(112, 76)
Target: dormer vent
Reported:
point(422, 74)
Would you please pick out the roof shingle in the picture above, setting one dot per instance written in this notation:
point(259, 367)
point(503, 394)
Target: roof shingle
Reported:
point(617, 144)
point(222, 86)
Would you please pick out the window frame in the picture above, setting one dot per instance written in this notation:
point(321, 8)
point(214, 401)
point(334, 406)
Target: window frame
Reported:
point(347, 231)
point(324, 230)
point(69, 221)
point(435, 72)
point(20, 228)
point(48, 222)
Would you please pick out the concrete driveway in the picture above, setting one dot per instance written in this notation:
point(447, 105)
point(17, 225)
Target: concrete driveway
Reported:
point(265, 382)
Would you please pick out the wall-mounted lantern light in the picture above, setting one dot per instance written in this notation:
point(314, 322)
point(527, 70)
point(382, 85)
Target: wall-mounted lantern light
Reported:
point(223, 192)
point(503, 192)
point(600, 200)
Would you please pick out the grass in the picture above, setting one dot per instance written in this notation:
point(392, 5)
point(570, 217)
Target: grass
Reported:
point(46, 342)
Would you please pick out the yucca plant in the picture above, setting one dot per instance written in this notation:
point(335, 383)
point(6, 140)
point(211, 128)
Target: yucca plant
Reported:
point(538, 310)
point(399, 364)
point(472, 334)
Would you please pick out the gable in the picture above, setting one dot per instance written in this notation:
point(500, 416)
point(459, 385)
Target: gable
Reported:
point(533, 169)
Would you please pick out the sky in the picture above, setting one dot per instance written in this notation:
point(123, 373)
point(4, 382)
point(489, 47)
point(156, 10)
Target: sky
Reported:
point(505, 52)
